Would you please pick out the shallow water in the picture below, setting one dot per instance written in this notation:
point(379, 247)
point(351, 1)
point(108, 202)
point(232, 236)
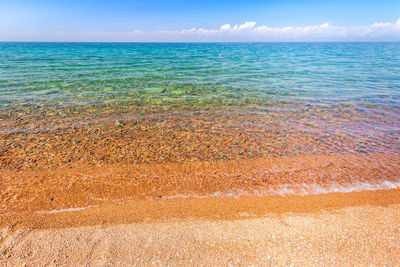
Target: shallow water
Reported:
point(71, 105)
point(314, 73)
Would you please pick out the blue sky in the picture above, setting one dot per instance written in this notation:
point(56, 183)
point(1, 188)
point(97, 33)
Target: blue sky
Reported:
point(178, 20)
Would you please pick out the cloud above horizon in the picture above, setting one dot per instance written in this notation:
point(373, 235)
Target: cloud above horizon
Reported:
point(248, 31)
point(325, 31)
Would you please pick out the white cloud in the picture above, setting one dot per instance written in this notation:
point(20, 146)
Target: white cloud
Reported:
point(244, 26)
point(380, 24)
point(379, 31)
point(248, 31)
point(225, 27)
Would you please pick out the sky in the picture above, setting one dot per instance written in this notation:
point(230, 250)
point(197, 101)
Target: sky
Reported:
point(199, 21)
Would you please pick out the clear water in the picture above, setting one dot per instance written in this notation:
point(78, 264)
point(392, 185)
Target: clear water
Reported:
point(239, 117)
point(314, 73)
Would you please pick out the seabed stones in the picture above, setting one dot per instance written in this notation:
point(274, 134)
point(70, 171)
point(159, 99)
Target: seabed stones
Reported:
point(154, 90)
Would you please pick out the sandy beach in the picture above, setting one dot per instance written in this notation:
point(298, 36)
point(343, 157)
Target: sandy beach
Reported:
point(359, 228)
point(306, 209)
point(204, 154)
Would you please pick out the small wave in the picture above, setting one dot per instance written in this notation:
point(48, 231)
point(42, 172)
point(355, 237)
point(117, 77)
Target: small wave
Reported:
point(315, 189)
point(62, 210)
point(301, 189)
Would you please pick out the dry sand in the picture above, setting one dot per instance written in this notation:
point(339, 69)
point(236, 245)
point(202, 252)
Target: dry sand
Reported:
point(333, 229)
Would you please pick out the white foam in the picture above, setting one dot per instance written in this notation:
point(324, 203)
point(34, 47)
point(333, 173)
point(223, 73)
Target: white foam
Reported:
point(177, 196)
point(63, 210)
point(302, 189)
point(284, 189)
point(315, 189)
point(354, 187)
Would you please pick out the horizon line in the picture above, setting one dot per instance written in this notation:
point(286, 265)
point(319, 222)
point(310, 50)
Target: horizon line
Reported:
point(194, 42)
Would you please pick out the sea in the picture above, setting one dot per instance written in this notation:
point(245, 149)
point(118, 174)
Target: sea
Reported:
point(295, 117)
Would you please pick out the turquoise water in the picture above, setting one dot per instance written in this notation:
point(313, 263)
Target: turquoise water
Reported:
point(90, 104)
point(349, 92)
point(314, 73)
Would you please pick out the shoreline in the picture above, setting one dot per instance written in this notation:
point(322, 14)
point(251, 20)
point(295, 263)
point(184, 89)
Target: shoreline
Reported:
point(82, 186)
point(359, 228)
point(212, 208)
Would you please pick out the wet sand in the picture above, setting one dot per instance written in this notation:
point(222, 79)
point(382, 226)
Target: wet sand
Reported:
point(128, 158)
point(198, 188)
point(264, 211)
point(64, 188)
point(359, 228)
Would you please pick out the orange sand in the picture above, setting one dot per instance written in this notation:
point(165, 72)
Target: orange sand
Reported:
point(332, 229)
point(215, 208)
point(61, 188)
point(119, 185)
